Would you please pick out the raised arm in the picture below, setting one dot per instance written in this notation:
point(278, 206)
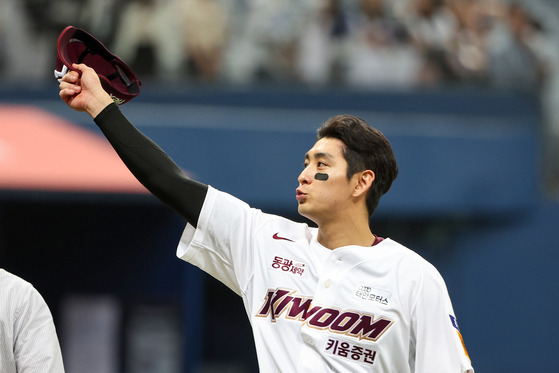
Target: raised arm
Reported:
point(145, 159)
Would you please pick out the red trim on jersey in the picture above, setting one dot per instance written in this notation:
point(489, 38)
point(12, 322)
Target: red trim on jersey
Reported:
point(377, 240)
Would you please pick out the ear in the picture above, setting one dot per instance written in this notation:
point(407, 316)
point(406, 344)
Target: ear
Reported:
point(363, 183)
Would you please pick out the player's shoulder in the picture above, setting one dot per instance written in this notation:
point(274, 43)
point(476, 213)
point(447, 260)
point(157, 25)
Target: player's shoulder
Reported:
point(223, 199)
point(9, 279)
point(269, 223)
point(13, 287)
point(409, 259)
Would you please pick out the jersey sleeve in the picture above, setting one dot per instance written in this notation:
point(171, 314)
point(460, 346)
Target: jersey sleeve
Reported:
point(36, 347)
point(222, 242)
point(439, 347)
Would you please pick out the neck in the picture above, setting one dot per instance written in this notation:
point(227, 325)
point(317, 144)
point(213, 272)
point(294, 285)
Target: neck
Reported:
point(345, 233)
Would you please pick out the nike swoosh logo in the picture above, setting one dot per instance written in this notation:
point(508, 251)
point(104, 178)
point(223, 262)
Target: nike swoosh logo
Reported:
point(276, 237)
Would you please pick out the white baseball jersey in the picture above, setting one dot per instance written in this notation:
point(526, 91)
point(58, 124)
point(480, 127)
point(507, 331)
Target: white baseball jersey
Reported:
point(28, 342)
point(353, 309)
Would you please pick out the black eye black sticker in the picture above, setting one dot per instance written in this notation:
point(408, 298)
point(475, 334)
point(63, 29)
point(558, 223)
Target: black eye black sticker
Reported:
point(321, 176)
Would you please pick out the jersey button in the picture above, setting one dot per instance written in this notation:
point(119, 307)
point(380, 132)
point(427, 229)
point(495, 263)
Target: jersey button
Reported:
point(327, 283)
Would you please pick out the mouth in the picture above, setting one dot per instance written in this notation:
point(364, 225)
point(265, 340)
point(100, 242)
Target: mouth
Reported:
point(300, 195)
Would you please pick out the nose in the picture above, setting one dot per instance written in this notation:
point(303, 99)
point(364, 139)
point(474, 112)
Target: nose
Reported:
point(304, 177)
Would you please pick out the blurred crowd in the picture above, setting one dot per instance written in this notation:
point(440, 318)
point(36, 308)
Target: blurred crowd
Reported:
point(358, 43)
point(361, 44)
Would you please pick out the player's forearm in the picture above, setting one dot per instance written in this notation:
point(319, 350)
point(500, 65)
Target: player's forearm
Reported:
point(151, 165)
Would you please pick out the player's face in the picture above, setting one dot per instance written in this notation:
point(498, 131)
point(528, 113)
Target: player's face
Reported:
point(324, 190)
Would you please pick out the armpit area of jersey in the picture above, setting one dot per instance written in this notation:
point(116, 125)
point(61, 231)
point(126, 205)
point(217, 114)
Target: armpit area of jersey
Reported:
point(151, 165)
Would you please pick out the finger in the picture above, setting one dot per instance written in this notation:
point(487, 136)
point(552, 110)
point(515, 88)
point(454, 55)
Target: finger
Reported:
point(81, 67)
point(71, 77)
point(69, 91)
point(65, 84)
point(71, 86)
point(66, 93)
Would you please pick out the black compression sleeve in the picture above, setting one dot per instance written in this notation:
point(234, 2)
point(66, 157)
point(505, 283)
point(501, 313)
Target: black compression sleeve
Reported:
point(151, 165)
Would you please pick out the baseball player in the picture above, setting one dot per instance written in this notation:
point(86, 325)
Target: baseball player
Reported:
point(335, 298)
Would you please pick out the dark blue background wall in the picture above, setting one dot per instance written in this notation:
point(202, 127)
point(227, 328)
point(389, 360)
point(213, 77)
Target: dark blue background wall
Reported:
point(468, 198)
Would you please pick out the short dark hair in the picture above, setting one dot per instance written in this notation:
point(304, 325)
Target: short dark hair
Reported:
point(366, 148)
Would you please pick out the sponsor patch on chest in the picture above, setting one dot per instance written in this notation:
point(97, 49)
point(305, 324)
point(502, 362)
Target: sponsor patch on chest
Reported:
point(372, 294)
point(288, 265)
point(350, 351)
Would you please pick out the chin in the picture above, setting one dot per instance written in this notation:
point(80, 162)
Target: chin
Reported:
point(306, 214)
point(302, 211)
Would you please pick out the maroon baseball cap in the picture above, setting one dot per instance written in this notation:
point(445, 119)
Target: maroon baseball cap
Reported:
point(78, 46)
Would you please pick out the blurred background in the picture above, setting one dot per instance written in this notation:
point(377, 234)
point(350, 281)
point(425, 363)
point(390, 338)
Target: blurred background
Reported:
point(467, 91)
